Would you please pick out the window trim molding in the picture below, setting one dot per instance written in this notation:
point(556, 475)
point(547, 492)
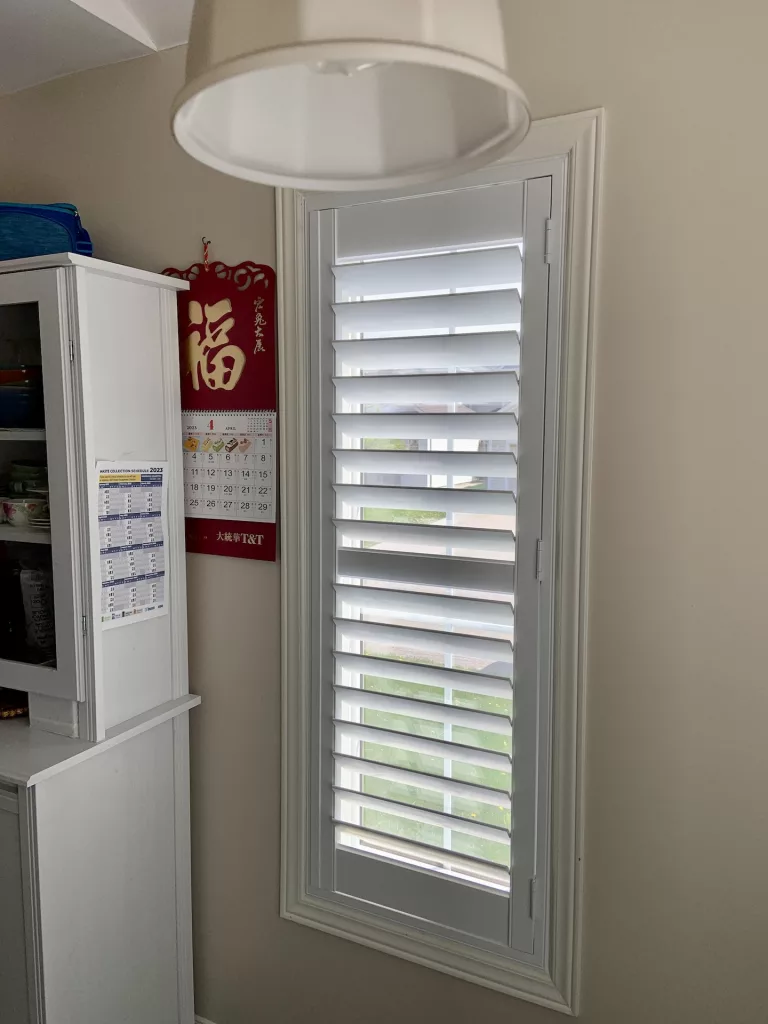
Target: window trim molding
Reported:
point(577, 140)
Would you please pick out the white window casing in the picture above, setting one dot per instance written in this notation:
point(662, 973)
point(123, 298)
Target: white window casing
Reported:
point(436, 389)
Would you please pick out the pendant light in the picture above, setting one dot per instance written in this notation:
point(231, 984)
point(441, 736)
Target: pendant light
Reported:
point(348, 94)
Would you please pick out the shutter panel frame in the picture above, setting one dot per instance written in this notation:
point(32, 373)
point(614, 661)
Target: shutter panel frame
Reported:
point(477, 589)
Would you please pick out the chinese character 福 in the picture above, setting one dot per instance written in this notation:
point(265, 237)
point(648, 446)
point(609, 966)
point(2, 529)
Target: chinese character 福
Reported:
point(212, 357)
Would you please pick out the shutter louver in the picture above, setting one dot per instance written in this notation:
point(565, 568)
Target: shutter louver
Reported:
point(426, 385)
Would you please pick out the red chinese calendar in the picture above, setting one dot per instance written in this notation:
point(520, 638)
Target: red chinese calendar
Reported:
point(229, 409)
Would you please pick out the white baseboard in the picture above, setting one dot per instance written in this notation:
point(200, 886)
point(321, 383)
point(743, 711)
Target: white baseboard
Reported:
point(202, 1020)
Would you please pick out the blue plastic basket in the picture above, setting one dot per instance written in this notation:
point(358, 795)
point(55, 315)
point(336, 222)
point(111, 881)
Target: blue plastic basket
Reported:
point(30, 229)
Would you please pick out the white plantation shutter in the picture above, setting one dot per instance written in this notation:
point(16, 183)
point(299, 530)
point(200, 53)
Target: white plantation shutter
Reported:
point(429, 428)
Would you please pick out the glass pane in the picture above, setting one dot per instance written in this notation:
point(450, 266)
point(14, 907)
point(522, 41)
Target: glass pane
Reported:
point(486, 849)
point(403, 828)
point(27, 628)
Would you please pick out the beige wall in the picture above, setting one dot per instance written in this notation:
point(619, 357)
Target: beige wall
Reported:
point(677, 819)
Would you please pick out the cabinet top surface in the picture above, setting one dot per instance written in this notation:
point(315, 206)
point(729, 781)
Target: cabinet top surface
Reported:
point(25, 752)
point(71, 259)
point(29, 756)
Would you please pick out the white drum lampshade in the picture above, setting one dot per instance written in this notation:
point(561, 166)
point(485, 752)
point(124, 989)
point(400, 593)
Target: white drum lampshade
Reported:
point(348, 94)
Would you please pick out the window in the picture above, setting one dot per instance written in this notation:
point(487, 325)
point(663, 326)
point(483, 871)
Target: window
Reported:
point(431, 577)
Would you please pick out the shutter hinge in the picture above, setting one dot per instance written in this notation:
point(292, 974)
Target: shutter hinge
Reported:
point(85, 625)
point(548, 233)
point(539, 560)
point(532, 898)
point(71, 349)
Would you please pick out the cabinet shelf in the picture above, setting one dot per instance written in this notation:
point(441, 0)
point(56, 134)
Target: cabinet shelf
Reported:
point(22, 434)
point(22, 535)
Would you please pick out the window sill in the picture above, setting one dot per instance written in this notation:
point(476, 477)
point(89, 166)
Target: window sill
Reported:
point(513, 978)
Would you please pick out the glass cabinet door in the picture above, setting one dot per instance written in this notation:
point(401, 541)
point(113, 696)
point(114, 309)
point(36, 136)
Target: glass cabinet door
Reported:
point(38, 601)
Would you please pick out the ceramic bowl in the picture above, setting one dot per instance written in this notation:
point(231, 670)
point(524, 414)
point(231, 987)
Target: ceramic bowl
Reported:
point(22, 512)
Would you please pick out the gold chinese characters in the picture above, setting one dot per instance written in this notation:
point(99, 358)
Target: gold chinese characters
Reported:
point(212, 357)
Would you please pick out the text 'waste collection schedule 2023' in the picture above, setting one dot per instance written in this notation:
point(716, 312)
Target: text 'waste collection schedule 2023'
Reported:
point(133, 499)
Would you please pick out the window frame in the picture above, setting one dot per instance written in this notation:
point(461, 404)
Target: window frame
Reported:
point(568, 149)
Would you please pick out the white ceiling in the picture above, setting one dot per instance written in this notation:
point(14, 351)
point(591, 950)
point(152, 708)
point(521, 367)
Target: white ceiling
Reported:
point(44, 39)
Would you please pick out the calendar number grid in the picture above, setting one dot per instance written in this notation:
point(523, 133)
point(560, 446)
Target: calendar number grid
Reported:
point(229, 466)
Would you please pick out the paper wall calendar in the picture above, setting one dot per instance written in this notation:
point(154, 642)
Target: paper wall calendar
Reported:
point(229, 465)
point(132, 541)
point(228, 409)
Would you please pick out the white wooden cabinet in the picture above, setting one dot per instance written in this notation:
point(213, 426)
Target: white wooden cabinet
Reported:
point(106, 340)
point(95, 918)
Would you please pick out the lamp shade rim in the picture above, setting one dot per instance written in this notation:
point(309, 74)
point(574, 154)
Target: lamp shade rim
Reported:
point(363, 50)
